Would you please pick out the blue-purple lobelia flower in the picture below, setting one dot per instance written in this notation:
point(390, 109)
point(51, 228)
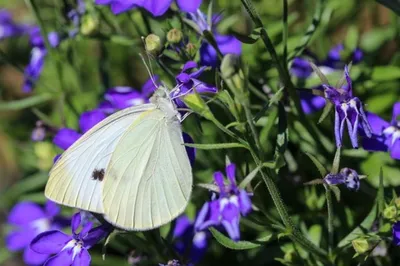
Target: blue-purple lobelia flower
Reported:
point(121, 97)
point(346, 176)
point(38, 53)
point(29, 219)
point(188, 241)
point(227, 44)
point(70, 250)
point(187, 81)
point(396, 233)
point(348, 111)
point(227, 208)
point(385, 135)
point(155, 7)
point(302, 69)
point(8, 28)
point(65, 137)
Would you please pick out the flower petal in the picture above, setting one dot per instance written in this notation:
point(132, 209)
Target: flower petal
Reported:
point(65, 137)
point(89, 119)
point(396, 113)
point(82, 258)
point(377, 123)
point(189, 6)
point(33, 258)
point(50, 242)
point(51, 208)
point(231, 173)
point(244, 202)
point(64, 258)
point(189, 65)
point(20, 239)
point(191, 152)
point(232, 228)
point(157, 7)
point(395, 150)
point(219, 179)
point(374, 144)
point(182, 225)
point(24, 213)
point(96, 234)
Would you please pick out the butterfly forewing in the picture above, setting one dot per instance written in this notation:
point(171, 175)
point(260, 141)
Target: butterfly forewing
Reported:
point(75, 179)
point(148, 180)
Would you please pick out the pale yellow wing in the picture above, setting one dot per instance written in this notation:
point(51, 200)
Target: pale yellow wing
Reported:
point(149, 178)
point(75, 178)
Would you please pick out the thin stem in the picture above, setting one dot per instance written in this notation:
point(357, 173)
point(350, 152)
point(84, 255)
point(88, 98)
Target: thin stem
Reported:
point(329, 204)
point(285, 30)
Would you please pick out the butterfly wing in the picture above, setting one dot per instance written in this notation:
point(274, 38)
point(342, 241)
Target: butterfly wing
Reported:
point(75, 179)
point(149, 178)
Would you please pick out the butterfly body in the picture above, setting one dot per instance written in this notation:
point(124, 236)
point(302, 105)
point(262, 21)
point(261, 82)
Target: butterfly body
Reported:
point(147, 177)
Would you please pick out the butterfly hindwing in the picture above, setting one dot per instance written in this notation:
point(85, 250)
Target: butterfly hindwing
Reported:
point(148, 180)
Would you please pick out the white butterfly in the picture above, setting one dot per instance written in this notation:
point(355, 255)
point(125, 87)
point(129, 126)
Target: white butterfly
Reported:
point(132, 167)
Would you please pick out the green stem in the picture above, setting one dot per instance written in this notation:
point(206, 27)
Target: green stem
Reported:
point(283, 74)
point(329, 204)
point(285, 31)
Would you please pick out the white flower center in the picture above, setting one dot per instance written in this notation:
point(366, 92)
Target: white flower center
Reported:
point(41, 225)
point(393, 132)
point(76, 247)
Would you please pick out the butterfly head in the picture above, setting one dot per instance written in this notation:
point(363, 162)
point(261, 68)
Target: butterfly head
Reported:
point(163, 101)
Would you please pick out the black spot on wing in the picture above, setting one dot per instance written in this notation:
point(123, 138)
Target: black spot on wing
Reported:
point(98, 174)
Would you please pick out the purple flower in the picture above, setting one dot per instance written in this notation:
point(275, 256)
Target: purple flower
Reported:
point(69, 250)
point(155, 7)
point(172, 263)
point(301, 69)
point(396, 233)
point(227, 208)
point(39, 132)
point(187, 81)
point(386, 136)
point(65, 137)
point(189, 241)
point(121, 97)
point(348, 110)
point(34, 68)
point(8, 28)
point(28, 219)
point(346, 176)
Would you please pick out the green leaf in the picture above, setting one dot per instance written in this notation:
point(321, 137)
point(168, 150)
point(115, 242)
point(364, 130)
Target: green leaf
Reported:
point(336, 192)
point(326, 111)
point(336, 162)
point(239, 245)
point(249, 39)
point(375, 38)
point(319, 73)
point(380, 197)
point(394, 5)
point(210, 187)
point(351, 41)
point(321, 169)
point(385, 73)
point(249, 178)
point(216, 146)
point(25, 103)
point(30, 183)
point(366, 224)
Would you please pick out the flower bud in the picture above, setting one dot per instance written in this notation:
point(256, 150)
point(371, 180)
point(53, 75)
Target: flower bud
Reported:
point(89, 24)
point(154, 44)
point(360, 245)
point(174, 36)
point(191, 50)
point(390, 212)
point(397, 202)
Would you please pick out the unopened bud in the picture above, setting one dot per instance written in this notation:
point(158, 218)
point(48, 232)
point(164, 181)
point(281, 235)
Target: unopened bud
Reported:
point(191, 50)
point(360, 245)
point(232, 73)
point(174, 36)
point(154, 44)
point(390, 212)
point(89, 24)
point(397, 202)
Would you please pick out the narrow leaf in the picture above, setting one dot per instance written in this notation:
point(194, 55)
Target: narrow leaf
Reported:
point(319, 73)
point(249, 178)
point(321, 169)
point(239, 245)
point(327, 109)
point(335, 191)
point(216, 146)
point(336, 162)
point(210, 187)
point(25, 103)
